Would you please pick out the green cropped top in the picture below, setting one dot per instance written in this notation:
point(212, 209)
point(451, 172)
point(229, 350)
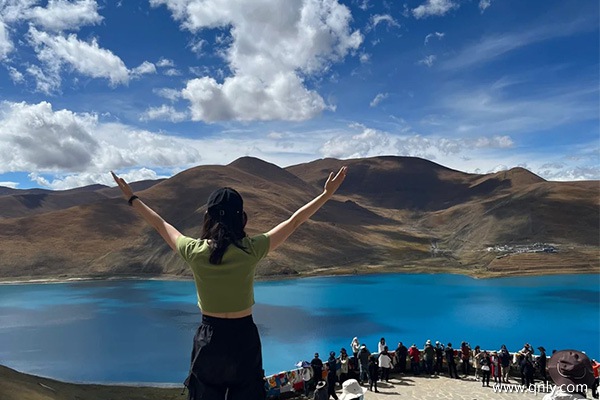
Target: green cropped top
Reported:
point(229, 286)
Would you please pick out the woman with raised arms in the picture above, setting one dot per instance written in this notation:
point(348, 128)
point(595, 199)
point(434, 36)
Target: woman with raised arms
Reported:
point(223, 262)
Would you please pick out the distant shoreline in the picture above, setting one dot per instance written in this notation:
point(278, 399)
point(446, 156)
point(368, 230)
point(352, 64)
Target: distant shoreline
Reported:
point(328, 272)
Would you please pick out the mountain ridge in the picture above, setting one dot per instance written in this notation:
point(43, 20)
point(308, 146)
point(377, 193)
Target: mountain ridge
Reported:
point(391, 214)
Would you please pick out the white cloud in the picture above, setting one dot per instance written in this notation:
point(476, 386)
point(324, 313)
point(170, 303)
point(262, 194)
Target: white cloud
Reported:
point(439, 35)
point(144, 68)
point(379, 18)
point(364, 58)
point(15, 75)
point(247, 98)
point(492, 47)
point(61, 15)
point(562, 172)
point(168, 93)
point(428, 60)
point(494, 142)
point(483, 4)
point(378, 99)
point(164, 113)
point(448, 151)
point(47, 81)
point(63, 182)
point(434, 7)
point(164, 62)
point(12, 185)
point(368, 143)
point(6, 45)
point(172, 72)
point(267, 56)
point(471, 111)
point(35, 136)
point(86, 58)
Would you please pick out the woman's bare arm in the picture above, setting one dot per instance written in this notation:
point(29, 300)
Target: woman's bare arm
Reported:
point(281, 232)
point(168, 232)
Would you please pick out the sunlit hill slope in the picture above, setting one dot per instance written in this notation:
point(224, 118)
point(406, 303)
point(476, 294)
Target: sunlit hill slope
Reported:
point(391, 214)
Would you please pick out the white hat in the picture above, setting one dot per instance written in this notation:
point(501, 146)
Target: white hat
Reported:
point(321, 384)
point(428, 341)
point(351, 390)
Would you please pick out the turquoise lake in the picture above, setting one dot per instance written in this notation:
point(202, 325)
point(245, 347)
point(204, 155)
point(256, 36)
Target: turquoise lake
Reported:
point(141, 331)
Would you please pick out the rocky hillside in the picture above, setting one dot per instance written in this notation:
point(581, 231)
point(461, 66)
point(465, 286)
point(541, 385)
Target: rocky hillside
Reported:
point(391, 214)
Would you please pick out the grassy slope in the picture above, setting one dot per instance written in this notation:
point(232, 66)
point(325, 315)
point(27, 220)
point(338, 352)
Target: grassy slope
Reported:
point(19, 386)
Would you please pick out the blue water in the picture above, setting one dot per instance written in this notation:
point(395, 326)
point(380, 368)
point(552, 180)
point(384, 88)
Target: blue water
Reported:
point(141, 331)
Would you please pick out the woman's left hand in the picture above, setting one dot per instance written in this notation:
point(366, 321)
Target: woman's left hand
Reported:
point(124, 186)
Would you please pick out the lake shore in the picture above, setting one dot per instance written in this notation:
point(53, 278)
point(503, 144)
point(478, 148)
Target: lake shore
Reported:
point(476, 273)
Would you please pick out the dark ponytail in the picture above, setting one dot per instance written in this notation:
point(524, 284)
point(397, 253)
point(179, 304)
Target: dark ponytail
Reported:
point(223, 232)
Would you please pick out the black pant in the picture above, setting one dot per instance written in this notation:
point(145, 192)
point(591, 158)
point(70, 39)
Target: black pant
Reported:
point(219, 369)
point(529, 379)
point(465, 366)
point(331, 379)
point(438, 365)
point(402, 364)
point(452, 369)
point(485, 377)
point(385, 374)
point(372, 383)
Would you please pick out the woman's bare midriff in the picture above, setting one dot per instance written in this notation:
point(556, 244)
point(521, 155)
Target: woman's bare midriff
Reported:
point(230, 315)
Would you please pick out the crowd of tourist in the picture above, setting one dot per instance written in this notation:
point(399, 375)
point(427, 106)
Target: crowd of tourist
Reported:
point(366, 368)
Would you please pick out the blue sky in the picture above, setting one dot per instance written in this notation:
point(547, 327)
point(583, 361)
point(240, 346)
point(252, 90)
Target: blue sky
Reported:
point(151, 87)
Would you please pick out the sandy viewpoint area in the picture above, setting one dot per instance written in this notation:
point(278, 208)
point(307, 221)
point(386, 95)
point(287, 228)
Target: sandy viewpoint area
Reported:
point(411, 387)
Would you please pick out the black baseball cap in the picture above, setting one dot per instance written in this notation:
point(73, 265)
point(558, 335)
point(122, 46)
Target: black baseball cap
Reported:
point(225, 203)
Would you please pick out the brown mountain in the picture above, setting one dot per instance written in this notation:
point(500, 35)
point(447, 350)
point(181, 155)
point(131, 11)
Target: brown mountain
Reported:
point(391, 214)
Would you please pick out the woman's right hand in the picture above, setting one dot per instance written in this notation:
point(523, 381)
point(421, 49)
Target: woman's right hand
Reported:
point(334, 182)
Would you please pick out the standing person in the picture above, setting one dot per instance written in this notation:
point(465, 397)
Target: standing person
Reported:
point(595, 367)
point(572, 373)
point(401, 353)
point(465, 354)
point(485, 369)
point(439, 357)
point(223, 263)
point(414, 355)
point(355, 347)
point(528, 370)
point(428, 356)
point(363, 363)
point(477, 361)
point(520, 357)
point(344, 366)
point(541, 362)
point(317, 366)
point(307, 375)
point(450, 361)
point(504, 357)
point(385, 363)
point(380, 345)
point(373, 369)
point(331, 375)
point(495, 367)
